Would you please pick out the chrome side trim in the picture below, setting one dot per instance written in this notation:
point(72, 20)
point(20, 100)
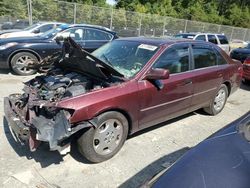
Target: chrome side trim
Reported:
point(214, 88)
point(177, 100)
point(163, 104)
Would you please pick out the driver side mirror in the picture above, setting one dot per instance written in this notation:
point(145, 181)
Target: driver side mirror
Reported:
point(59, 39)
point(156, 74)
point(36, 31)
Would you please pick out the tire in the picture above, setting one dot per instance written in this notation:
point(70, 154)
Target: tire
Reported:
point(218, 102)
point(245, 81)
point(19, 63)
point(103, 142)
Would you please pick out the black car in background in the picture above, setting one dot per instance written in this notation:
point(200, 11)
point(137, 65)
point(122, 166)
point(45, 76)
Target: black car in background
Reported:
point(241, 54)
point(18, 53)
point(222, 160)
point(18, 24)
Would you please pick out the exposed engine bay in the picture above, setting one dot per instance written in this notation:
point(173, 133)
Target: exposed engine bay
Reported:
point(57, 84)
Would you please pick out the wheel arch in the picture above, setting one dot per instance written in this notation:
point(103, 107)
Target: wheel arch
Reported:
point(123, 112)
point(229, 86)
point(23, 50)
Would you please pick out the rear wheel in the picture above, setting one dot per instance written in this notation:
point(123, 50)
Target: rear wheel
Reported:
point(103, 142)
point(21, 60)
point(245, 81)
point(218, 102)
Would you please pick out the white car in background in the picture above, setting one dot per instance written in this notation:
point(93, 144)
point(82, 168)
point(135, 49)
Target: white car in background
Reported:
point(238, 44)
point(33, 30)
point(218, 39)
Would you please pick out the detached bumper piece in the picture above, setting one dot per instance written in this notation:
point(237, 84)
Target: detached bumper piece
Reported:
point(21, 131)
point(52, 130)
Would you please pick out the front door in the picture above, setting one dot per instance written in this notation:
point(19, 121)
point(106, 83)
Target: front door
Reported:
point(175, 97)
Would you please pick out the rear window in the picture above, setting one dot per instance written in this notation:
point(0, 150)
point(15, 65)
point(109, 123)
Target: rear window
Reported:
point(223, 39)
point(212, 39)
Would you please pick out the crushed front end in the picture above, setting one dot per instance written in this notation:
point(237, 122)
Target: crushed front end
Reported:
point(30, 124)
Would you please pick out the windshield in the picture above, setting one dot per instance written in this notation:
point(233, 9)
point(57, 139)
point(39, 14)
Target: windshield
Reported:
point(248, 46)
point(126, 57)
point(32, 27)
point(53, 32)
point(185, 36)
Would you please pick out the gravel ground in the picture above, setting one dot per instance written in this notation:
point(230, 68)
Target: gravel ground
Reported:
point(142, 156)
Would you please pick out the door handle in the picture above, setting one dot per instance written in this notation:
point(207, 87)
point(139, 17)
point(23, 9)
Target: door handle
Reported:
point(187, 81)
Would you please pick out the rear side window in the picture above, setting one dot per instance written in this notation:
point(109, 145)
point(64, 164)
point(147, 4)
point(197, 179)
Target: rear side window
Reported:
point(212, 39)
point(92, 34)
point(223, 39)
point(204, 57)
point(175, 59)
point(201, 37)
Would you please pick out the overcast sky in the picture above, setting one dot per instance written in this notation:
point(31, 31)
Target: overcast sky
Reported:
point(112, 2)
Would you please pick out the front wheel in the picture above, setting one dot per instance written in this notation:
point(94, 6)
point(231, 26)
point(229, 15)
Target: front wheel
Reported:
point(218, 102)
point(103, 142)
point(20, 61)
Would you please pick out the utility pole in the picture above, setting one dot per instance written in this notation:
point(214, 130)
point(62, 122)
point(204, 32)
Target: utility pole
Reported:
point(29, 7)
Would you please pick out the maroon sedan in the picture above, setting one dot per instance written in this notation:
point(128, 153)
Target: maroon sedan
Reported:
point(125, 86)
point(246, 70)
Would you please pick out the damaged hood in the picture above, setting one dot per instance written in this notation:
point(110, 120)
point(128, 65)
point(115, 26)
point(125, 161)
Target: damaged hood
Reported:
point(76, 59)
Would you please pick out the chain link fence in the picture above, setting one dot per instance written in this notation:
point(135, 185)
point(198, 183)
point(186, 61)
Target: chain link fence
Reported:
point(125, 23)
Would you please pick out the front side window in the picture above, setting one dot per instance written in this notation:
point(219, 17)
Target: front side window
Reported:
point(204, 57)
point(223, 39)
point(93, 34)
point(175, 59)
point(201, 37)
point(212, 39)
point(75, 33)
point(127, 57)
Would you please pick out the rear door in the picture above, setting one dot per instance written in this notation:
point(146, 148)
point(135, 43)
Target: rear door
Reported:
point(207, 75)
point(174, 99)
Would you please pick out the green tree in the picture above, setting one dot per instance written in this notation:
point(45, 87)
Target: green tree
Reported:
point(13, 8)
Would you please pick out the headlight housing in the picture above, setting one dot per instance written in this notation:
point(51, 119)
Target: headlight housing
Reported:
point(8, 45)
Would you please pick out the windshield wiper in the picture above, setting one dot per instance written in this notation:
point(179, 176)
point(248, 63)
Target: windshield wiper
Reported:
point(107, 60)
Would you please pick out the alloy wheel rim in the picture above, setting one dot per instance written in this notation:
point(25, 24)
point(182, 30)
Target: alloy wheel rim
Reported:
point(22, 63)
point(107, 136)
point(220, 100)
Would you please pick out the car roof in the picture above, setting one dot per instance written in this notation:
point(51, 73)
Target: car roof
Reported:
point(194, 33)
point(92, 26)
point(44, 23)
point(157, 41)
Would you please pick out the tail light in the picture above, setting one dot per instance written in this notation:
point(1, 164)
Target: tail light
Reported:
point(247, 62)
